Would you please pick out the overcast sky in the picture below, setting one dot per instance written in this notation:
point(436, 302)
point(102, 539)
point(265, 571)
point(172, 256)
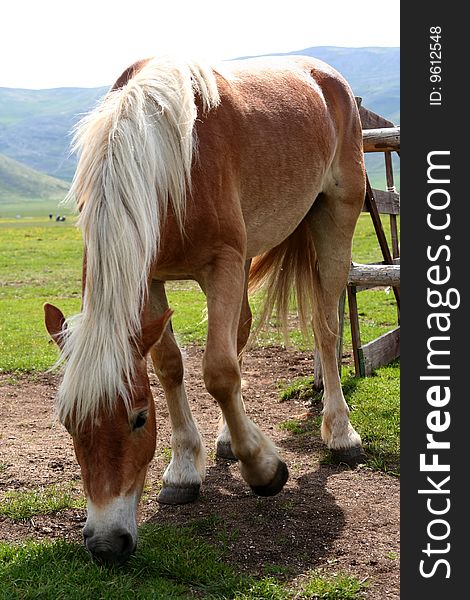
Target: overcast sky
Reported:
point(55, 43)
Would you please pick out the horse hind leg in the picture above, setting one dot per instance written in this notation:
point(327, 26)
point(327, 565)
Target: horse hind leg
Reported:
point(185, 473)
point(259, 461)
point(332, 221)
point(223, 444)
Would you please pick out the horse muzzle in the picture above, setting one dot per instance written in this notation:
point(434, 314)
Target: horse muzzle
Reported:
point(113, 549)
point(110, 533)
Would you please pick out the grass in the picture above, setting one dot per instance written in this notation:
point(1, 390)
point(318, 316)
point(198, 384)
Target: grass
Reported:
point(172, 563)
point(301, 426)
point(375, 413)
point(20, 505)
point(337, 587)
point(26, 210)
point(300, 388)
point(166, 455)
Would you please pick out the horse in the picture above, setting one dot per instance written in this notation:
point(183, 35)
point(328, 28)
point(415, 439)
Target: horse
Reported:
point(242, 175)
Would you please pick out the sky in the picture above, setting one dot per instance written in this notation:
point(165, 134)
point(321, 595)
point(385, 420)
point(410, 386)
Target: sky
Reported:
point(88, 43)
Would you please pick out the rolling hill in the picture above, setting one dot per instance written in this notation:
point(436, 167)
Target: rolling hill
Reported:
point(35, 126)
point(19, 182)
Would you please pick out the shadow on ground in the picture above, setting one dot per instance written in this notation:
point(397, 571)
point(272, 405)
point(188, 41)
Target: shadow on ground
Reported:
point(287, 534)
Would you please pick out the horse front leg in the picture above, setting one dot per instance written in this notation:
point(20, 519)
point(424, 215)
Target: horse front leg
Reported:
point(223, 444)
point(224, 284)
point(183, 476)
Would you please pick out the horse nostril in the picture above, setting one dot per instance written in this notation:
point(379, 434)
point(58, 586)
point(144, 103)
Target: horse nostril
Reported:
point(87, 533)
point(127, 544)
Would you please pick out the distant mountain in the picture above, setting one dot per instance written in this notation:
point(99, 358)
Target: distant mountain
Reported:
point(19, 182)
point(35, 125)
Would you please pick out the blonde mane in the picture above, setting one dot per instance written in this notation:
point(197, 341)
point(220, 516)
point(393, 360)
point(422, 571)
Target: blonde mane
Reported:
point(135, 155)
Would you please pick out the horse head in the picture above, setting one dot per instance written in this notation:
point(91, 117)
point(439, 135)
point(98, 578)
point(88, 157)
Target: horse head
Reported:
point(114, 448)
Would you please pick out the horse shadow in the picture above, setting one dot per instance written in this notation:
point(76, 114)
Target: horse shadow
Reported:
point(288, 533)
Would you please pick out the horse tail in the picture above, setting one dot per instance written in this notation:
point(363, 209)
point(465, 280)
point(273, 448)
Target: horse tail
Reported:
point(290, 272)
point(135, 155)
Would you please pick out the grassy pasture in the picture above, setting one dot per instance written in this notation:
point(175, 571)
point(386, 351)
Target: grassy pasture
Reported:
point(31, 209)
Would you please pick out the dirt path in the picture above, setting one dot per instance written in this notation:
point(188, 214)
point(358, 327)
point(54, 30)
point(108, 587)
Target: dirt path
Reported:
point(328, 518)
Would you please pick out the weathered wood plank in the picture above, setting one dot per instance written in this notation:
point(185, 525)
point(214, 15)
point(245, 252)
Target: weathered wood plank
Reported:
point(381, 351)
point(355, 332)
point(370, 119)
point(374, 275)
point(381, 140)
point(389, 170)
point(394, 236)
point(379, 231)
point(388, 202)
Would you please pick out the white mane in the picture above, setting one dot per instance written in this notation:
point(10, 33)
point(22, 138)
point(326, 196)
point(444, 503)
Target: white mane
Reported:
point(136, 150)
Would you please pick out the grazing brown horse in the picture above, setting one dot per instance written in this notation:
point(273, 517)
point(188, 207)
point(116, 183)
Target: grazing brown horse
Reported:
point(245, 175)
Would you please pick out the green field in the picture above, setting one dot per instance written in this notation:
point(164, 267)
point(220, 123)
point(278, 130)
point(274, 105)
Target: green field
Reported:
point(26, 211)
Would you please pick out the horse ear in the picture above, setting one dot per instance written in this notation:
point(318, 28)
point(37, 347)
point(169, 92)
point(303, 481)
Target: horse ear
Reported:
point(55, 322)
point(152, 332)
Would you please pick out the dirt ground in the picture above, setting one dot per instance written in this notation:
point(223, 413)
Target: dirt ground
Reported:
point(327, 517)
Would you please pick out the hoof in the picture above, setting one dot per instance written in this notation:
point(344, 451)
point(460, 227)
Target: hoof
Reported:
point(351, 456)
point(178, 495)
point(276, 484)
point(224, 450)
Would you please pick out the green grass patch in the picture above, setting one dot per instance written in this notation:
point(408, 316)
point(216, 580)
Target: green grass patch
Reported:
point(25, 210)
point(39, 262)
point(300, 388)
point(375, 413)
point(20, 505)
point(166, 455)
point(268, 587)
point(335, 587)
point(189, 319)
point(365, 245)
point(171, 563)
point(377, 315)
point(310, 426)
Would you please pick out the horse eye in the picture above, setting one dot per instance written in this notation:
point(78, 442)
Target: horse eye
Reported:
point(139, 420)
